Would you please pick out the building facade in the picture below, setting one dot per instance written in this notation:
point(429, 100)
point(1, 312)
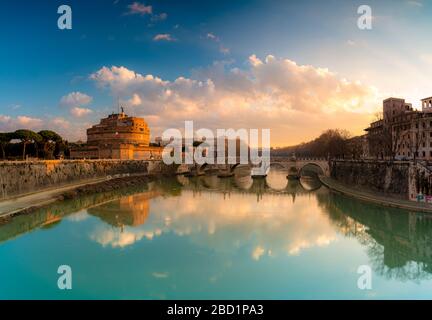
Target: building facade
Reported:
point(118, 137)
point(401, 133)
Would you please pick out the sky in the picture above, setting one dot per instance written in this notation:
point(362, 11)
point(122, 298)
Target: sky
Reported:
point(294, 67)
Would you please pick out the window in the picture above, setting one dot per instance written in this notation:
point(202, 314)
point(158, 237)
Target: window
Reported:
point(424, 154)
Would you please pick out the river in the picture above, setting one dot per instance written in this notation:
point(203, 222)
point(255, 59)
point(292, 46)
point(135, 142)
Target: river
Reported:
point(206, 237)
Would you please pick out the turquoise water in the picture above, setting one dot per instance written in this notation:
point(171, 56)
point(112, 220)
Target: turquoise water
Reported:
point(206, 237)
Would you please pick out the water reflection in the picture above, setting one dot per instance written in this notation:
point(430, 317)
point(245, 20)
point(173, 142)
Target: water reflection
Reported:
point(399, 243)
point(268, 218)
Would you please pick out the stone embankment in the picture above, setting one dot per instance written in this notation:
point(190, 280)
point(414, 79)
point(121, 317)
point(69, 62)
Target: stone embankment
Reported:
point(389, 177)
point(374, 197)
point(21, 177)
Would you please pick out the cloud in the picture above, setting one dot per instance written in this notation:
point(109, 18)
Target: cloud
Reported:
point(415, 3)
point(70, 130)
point(8, 123)
point(294, 101)
point(222, 48)
point(139, 8)
point(159, 17)
point(75, 99)
point(80, 112)
point(135, 100)
point(427, 58)
point(212, 37)
point(163, 37)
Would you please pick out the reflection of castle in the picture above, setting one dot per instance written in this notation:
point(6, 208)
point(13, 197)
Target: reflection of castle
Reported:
point(126, 211)
point(118, 137)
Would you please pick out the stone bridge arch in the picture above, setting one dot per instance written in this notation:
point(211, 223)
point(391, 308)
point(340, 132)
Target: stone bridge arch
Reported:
point(322, 167)
point(299, 164)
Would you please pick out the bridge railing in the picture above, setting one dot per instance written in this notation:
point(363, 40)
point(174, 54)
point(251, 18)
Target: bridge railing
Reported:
point(284, 158)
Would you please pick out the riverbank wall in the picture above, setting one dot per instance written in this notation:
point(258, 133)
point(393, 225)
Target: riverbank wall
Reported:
point(407, 180)
point(24, 177)
point(388, 177)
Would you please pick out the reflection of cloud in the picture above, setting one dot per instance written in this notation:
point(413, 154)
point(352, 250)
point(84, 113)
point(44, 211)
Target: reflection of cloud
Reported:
point(257, 253)
point(78, 217)
point(118, 238)
point(273, 226)
point(160, 275)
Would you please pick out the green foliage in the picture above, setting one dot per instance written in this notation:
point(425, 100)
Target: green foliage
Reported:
point(27, 136)
point(50, 143)
point(5, 138)
point(50, 136)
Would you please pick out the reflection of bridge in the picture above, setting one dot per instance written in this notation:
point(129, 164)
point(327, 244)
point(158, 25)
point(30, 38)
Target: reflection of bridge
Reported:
point(292, 165)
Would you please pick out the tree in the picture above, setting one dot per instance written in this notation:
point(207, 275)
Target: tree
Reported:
point(49, 141)
point(26, 137)
point(5, 138)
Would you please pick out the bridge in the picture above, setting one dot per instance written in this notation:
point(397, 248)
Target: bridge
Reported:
point(293, 166)
point(297, 166)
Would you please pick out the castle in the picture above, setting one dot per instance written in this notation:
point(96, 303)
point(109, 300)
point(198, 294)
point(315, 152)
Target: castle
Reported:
point(118, 137)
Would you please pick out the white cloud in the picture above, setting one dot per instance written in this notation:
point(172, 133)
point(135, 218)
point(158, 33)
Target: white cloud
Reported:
point(67, 129)
point(293, 100)
point(159, 17)
point(80, 112)
point(212, 36)
point(29, 121)
point(135, 100)
point(163, 37)
point(75, 99)
point(427, 58)
point(139, 8)
point(415, 3)
point(8, 123)
point(222, 48)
